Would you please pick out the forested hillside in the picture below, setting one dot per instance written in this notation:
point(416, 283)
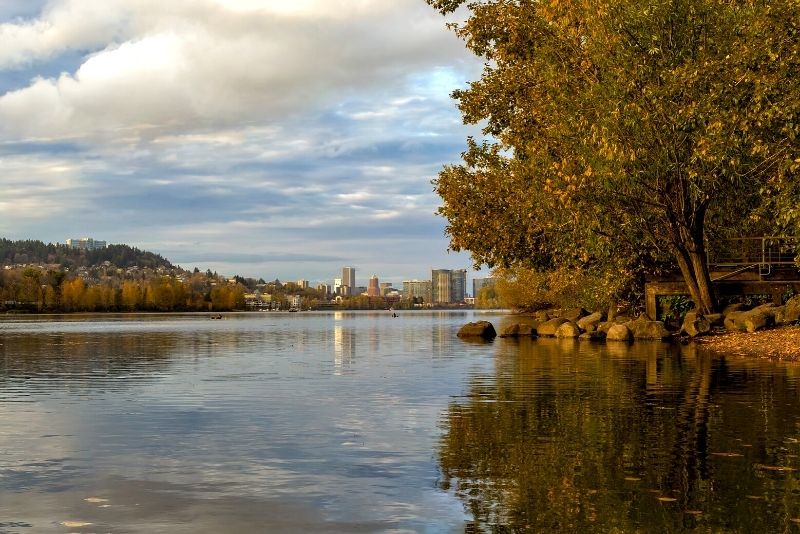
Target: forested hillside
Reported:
point(38, 252)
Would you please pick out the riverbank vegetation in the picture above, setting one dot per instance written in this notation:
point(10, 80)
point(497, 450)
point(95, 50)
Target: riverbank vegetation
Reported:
point(620, 137)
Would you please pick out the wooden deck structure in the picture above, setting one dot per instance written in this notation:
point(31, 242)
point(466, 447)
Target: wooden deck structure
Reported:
point(746, 266)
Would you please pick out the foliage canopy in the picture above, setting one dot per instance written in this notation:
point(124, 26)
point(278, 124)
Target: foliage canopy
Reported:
point(623, 131)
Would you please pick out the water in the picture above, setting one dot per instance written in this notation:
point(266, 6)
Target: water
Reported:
point(358, 422)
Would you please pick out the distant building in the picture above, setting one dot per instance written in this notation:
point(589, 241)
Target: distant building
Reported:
point(302, 284)
point(373, 290)
point(337, 284)
point(296, 301)
point(448, 286)
point(349, 279)
point(324, 289)
point(417, 289)
point(85, 243)
point(480, 283)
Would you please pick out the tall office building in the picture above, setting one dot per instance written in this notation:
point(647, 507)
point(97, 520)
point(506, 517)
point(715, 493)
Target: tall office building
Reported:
point(349, 279)
point(374, 289)
point(440, 286)
point(448, 286)
point(417, 289)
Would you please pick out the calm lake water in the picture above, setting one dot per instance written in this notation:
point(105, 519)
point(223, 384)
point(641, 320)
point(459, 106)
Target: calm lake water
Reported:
point(358, 422)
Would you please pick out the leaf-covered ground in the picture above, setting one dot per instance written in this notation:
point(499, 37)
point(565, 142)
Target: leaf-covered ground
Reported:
point(777, 343)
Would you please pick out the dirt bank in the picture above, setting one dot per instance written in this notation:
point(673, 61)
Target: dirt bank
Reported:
point(777, 343)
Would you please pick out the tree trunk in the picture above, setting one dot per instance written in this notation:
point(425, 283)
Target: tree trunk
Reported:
point(691, 259)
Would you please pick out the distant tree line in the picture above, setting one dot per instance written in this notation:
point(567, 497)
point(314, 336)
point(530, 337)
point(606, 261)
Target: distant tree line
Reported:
point(53, 291)
point(37, 252)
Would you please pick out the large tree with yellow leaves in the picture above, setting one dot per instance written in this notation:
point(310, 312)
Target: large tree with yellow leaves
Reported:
point(619, 128)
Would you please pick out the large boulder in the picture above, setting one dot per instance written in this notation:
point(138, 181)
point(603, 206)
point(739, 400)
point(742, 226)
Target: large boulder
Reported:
point(779, 315)
point(542, 316)
point(792, 314)
point(479, 329)
point(752, 320)
point(716, 319)
point(619, 332)
point(518, 330)
point(758, 319)
point(695, 324)
point(549, 328)
point(511, 330)
point(734, 321)
point(605, 326)
point(590, 322)
point(568, 329)
point(592, 336)
point(733, 308)
point(644, 328)
point(573, 314)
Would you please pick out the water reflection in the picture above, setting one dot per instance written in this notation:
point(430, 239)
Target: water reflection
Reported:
point(344, 348)
point(577, 438)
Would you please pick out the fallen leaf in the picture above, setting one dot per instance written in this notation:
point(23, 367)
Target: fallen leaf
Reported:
point(75, 524)
point(95, 500)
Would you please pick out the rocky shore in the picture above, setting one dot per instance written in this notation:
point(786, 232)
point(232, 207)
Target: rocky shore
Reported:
point(768, 330)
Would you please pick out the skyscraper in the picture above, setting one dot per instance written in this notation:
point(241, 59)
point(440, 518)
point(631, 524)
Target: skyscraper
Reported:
point(349, 279)
point(458, 285)
point(440, 286)
point(374, 289)
point(448, 286)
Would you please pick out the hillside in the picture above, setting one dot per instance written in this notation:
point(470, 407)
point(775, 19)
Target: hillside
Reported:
point(37, 252)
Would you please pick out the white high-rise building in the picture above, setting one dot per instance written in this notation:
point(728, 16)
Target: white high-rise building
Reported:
point(86, 243)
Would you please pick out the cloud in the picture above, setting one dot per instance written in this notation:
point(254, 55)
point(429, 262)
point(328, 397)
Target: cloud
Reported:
point(265, 138)
point(157, 67)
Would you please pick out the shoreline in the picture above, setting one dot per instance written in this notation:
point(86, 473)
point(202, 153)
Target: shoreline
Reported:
point(779, 344)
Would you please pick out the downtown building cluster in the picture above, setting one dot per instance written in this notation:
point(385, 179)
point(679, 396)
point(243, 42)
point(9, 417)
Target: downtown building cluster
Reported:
point(446, 286)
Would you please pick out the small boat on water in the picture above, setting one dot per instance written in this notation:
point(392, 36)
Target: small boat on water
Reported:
point(293, 310)
point(218, 316)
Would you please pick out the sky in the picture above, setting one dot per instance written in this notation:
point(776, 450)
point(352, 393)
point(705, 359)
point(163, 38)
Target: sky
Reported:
point(267, 138)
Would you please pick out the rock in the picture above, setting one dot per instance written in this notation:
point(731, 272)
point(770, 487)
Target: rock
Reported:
point(573, 314)
point(527, 330)
point(756, 320)
point(792, 310)
point(695, 324)
point(511, 330)
point(716, 319)
point(765, 307)
point(568, 329)
point(549, 328)
point(622, 319)
point(779, 314)
point(518, 330)
point(542, 316)
point(644, 328)
point(605, 326)
point(590, 322)
point(592, 336)
point(734, 321)
point(619, 332)
point(731, 308)
point(483, 329)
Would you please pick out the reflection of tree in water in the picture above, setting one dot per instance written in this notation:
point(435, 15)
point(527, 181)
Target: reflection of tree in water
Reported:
point(83, 359)
point(582, 441)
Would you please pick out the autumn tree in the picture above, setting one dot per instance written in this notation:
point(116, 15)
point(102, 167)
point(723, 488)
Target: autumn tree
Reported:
point(618, 131)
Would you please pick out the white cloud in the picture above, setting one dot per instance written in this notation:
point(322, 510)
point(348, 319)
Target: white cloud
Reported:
point(163, 67)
